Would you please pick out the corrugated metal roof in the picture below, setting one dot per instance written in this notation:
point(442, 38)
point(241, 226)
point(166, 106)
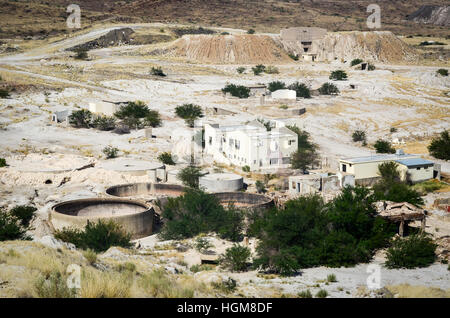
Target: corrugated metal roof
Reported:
point(381, 157)
point(414, 162)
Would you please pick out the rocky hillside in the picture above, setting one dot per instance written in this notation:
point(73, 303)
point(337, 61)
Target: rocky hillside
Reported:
point(437, 15)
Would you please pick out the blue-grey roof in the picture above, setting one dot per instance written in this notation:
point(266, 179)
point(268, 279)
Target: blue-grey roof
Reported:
point(415, 162)
point(378, 157)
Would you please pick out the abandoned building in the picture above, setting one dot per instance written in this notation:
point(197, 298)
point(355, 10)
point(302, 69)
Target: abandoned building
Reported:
point(402, 213)
point(61, 116)
point(105, 108)
point(319, 182)
point(302, 41)
point(250, 144)
point(412, 168)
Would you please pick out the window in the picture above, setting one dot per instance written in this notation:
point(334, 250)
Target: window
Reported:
point(210, 140)
point(238, 144)
point(286, 160)
point(344, 168)
point(273, 161)
point(291, 142)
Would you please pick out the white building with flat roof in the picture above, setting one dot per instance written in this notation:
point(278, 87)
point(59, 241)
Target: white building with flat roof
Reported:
point(250, 145)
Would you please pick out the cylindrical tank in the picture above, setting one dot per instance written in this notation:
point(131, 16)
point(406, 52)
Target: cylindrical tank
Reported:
point(221, 182)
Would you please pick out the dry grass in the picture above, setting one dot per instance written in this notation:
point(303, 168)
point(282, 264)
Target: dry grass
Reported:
point(408, 291)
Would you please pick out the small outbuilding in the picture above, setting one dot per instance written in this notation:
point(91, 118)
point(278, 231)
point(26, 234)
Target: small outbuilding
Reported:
point(284, 94)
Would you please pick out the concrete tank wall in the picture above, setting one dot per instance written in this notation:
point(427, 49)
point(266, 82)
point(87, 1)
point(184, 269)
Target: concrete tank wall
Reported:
point(143, 189)
point(245, 200)
point(135, 217)
point(221, 182)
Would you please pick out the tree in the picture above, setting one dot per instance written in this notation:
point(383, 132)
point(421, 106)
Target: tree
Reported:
point(190, 176)
point(301, 89)
point(388, 171)
point(359, 135)
point(258, 69)
point(237, 90)
point(202, 245)
point(104, 123)
point(81, 118)
point(153, 119)
point(306, 154)
point(328, 89)
point(442, 72)
point(3, 163)
point(440, 147)
point(276, 85)
point(383, 146)
point(417, 250)
point(157, 71)
point(166, 158)
point(235, 258)
point(338, 75)
point(356, 62)
point(189, 112)
point(23, 213)
point(137, 114)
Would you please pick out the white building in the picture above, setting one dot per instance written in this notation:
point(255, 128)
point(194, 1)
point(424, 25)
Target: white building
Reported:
point(284, 94)
point(250, 145)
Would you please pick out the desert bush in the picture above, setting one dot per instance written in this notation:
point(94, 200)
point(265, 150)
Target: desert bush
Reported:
point(272, 70)
point(246, 168)
point(235, 258)
point(82, 54)
point(110, 152)
point(322, 294)
point(189, 112)
point(338, 75)
point(228, 286)
point(331, 278)
point(98, 236)
point(442, 72)
point(301, 89)
point(11, 228)
point(3, 163)
point(158, 284)
point(417, 250)
point(258, 69)
point(260, 186)
point(295, 57)
point(197, 212)
point(157, 71)
point(4, 93)
point(276, 85)
point(55, 286)
point(104, 123)
point(166, 158)
point(383, 146)
point(153, 119)
point(359, 135)
point(126, 267)
point(356, 62)
point(440, 146)
point(24, 214)
point(81, 118)
point(202, 244)
point(90, 256)
point(370, 67)
point(305, 294)
point(237, 90)
point(328, 89)
point(138, 115)
point(393, 130)
point(241, 69)
point(251, 31)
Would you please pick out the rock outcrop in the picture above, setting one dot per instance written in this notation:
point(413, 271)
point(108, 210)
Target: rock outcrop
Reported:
point(429, 14)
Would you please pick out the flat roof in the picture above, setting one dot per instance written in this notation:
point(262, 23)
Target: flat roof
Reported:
point(381, 157)
point(415, 162)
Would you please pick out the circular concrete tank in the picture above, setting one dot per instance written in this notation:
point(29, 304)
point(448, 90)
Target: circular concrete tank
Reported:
point(221, 182)
point(131, 167)
point(135, 217)
point(245, 200)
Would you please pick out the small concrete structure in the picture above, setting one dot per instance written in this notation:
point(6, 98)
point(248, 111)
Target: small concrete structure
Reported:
point(131, 167)
point(313, 183)
point(221, 182)
point(284, 94)
point(415, 170)
point(135, 217)
point(104, 108)
point(257, 90)
point(62, 116)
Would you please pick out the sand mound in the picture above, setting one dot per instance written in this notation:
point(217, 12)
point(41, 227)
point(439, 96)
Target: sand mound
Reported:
point(238, 49)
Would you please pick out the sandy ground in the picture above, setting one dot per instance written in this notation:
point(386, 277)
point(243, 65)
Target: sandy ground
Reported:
point(412, 99)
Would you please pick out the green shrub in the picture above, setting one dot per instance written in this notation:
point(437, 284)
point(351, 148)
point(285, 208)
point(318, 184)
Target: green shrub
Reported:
point(227, 286)
point(98, 236)
point(202, 244)
point(331, 278)
point(328, 89)
point(3, 163)
point(393, 130)
point(301, 89)
point(55, 286)
point(258, 69)
point(359, 135)
point(260, 186)
point(81, 118)
point(440, 146)
point(81, 54)
point(157, 71)
point(235, 258)
point(272, 70)
point(197, 212)
point(417, 250)
point(110, 152)
point(153, 119)
point(276, 85)
point(4, 93)
point(383, 146)
point(442, 72)
point(138, 115)
point(246, 168)
point(305, 294)
point(356, 62)
point(251, 31)
point(370, 67)
point(11, 228)
point(189, 112)
point(24, 214)
point(166, 158)
point(295, 57)
point(104, 123)
point(338, 75)
point(237, 90)
point(322, 294)
point(190, 176)
point(241, 70)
